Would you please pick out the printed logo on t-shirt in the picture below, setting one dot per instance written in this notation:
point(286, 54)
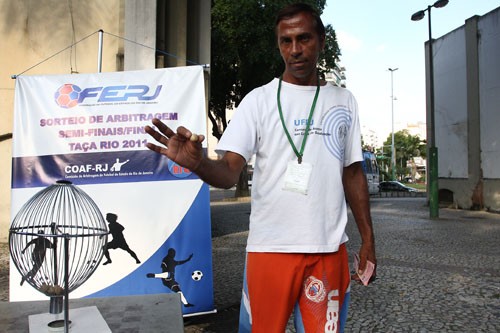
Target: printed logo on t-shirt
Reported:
point(336, 123)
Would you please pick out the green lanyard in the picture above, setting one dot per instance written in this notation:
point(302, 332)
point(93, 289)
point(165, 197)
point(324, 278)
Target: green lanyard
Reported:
point(297, 153)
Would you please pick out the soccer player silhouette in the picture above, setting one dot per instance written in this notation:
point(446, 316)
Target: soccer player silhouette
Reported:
point(168, 265)
point(37, 255)
point(116, 230)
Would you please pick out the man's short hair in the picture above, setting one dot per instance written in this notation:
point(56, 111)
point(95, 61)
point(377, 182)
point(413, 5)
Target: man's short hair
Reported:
point(296, 8)
point(112, 216)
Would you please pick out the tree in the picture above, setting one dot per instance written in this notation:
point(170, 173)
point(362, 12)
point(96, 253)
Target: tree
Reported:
point(406, 146)
point(245, 54)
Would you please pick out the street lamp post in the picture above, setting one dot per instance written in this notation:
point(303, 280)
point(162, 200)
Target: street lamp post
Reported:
point(433, 151)
point(393, 151)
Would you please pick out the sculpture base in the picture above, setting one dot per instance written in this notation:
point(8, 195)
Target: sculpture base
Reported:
point(82, 320)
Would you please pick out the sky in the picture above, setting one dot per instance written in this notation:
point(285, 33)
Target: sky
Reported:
point(375, 35)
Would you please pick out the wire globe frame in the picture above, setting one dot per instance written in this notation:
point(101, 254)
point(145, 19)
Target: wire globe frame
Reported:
point(57, 240)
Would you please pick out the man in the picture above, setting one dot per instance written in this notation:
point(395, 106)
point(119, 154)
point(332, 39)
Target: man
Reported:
point(118, 242)
point(296, 256)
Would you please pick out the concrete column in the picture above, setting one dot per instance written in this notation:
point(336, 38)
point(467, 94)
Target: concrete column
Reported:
point(140, 27)
point(176, 33)
point(199, 32)
point(473, 112)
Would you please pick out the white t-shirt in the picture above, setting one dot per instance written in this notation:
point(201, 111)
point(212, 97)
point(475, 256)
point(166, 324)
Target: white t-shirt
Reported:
point(284, 221)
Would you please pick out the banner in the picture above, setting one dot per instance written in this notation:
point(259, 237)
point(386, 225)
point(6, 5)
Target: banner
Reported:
point(89, 129)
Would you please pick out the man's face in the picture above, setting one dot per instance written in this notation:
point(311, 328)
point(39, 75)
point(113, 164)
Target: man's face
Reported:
point(299, 45)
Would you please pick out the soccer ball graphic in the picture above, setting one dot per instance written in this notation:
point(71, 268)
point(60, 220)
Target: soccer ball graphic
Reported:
point(67, 95)
point(197, 275)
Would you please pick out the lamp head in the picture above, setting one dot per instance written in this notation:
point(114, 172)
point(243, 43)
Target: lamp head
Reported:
point(440, 3)
point(418, 15)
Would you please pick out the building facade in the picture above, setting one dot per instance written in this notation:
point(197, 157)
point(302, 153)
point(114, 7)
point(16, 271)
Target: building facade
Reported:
point(467, 113)
point(61, 37)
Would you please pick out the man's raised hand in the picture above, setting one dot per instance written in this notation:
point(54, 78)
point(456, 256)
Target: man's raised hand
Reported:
point(183, 147)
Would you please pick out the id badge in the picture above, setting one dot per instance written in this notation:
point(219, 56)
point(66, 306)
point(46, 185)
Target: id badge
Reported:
point(297, 177)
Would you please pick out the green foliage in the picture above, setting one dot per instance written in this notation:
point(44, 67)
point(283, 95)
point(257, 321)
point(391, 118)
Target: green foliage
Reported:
point(245, 53)
point(406, 146)
point(331, 52)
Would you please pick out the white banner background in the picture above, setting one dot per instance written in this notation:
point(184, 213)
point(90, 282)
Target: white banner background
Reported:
point(152, 197)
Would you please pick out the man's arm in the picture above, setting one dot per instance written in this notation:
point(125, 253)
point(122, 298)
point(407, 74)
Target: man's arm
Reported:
point(356, 191)
point(184, 148)
point(223, 173)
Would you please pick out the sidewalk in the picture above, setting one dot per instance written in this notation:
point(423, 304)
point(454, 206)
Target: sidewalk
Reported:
point(433, 275)
point(4, 272)
point(222, 195)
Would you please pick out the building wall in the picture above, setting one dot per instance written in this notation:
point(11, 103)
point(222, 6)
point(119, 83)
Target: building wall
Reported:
point(489, 100)
point(467, 104)
point(36, 36)
point(33, 32)
point(451, 104)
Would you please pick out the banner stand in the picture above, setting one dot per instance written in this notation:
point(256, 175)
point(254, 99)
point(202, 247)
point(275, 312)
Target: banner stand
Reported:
point(89, 129)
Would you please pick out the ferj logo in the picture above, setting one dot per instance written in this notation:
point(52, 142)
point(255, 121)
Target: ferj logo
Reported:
point(67, 95)
point(70, 95)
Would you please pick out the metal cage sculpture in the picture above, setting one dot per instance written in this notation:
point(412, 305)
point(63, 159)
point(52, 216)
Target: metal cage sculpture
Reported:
point(57, 241)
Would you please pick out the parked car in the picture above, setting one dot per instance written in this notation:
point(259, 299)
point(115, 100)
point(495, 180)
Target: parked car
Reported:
point(394, 186)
